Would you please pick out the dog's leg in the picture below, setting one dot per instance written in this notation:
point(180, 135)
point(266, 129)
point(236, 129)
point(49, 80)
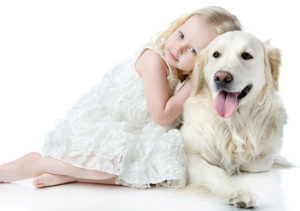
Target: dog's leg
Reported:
point(258, 165)
point(216, 180)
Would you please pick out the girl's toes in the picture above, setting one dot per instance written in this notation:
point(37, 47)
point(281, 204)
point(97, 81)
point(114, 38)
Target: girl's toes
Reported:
point(35, 181)
point(38, 182)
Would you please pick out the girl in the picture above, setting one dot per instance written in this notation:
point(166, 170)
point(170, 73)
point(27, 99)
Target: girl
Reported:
point(125, 130)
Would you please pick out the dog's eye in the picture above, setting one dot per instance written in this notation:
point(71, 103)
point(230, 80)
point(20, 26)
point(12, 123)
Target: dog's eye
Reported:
point(246, 56)
point(216, 54)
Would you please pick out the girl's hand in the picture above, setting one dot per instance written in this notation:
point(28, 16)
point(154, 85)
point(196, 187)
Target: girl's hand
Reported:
point(186, 88)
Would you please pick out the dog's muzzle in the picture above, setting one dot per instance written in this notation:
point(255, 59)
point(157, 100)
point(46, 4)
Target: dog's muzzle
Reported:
point(226, 102)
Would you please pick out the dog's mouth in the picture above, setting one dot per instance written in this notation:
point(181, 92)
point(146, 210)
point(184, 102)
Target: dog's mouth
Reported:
point(226, 102)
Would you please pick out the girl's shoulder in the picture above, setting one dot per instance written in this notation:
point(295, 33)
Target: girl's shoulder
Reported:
point(151, 59)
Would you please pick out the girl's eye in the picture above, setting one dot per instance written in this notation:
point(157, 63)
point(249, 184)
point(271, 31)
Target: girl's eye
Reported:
point(181, 35)
point(193, 50)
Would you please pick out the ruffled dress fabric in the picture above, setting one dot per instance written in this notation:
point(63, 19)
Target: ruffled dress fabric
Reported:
point(110, 130)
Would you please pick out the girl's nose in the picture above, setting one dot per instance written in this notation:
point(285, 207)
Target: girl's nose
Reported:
point(180, 49)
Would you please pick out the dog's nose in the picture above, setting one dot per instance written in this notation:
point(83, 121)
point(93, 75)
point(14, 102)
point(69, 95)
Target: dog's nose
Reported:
point(222, 78)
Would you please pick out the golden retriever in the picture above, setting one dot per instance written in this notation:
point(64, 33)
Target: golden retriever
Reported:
point(234, 119)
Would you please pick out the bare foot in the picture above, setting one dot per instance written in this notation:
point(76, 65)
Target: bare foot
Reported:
point(22, 168)
point(46, 180)
point(1, 166)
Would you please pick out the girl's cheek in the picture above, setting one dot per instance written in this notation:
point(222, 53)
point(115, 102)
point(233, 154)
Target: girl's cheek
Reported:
point(191, 63)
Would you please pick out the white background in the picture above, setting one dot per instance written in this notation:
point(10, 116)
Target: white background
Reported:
point(52, 52)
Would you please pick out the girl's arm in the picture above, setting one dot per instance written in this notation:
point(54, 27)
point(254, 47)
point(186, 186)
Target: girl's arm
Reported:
point(174, 106)
point(163, 108)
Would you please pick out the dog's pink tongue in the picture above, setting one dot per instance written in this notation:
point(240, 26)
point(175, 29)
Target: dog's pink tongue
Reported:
point(225, 104)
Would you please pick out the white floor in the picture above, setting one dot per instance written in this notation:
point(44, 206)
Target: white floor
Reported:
point(277, 190)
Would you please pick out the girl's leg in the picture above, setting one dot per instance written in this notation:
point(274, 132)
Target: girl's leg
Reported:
point(46, 180)
point(33, 165)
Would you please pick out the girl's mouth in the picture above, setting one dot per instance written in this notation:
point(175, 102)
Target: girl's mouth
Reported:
point(172, 56)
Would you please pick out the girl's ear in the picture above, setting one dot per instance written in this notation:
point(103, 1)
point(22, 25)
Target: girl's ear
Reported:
point(274, 57)
point(197, 77)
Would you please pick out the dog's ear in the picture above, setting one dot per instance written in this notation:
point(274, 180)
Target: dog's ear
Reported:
point(274, 57)
point(197, 77)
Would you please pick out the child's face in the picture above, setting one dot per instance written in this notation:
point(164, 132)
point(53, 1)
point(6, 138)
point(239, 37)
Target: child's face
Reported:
point(182, 45)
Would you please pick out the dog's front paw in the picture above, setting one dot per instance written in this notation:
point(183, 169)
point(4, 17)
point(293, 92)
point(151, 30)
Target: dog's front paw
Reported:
point(243, 198)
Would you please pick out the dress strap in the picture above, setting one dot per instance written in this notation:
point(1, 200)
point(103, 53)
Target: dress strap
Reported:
point(171, 72)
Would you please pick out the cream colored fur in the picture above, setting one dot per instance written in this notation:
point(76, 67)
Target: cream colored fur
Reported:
point(249, 140)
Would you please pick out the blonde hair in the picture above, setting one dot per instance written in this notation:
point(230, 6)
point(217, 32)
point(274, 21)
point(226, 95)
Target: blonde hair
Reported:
point(219, 17)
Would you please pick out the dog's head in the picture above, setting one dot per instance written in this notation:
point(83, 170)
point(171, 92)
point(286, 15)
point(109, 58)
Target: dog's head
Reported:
point(236, 67)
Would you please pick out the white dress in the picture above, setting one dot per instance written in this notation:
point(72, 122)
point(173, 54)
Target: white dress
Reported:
point(110, 130)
